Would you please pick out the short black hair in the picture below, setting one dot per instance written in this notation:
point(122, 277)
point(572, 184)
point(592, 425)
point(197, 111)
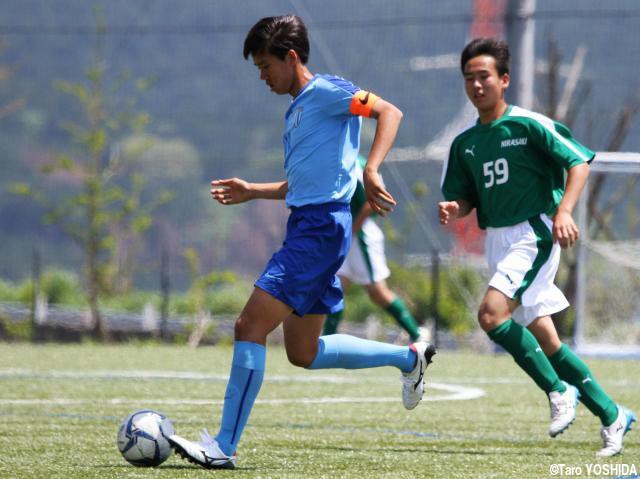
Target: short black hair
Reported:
point(493, 47)
point(278, 35)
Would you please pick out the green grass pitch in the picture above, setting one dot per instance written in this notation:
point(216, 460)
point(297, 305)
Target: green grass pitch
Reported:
point(60, 407)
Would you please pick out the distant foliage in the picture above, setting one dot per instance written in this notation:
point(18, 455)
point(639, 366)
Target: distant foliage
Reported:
point(58, 286)
point(456, 286)
point(103, 209)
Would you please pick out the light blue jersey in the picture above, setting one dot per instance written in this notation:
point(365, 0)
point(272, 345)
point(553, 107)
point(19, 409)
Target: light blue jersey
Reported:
point(321, 141)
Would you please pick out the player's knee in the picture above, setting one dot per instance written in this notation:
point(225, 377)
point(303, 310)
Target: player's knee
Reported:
point(301, 359)
point(488, 317)
point(245, 330)
point(239, 329)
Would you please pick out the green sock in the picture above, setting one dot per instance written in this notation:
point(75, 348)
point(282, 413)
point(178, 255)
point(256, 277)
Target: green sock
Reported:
point(525, 350)
point(573, 370)
point(331, 323)
point(403, 316)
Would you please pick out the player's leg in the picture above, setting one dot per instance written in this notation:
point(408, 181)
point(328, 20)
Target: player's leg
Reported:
point(317, 237)
point(545, 332)
point(381, 295)
point(261, 315)
point(494, 317)
point(368, 266)
point(320, 293)
point(528, 354)
point(525, 259)
point(332, 321)
point(306, 349)
point(516, 255)
point(616, 420)
point(573, 370)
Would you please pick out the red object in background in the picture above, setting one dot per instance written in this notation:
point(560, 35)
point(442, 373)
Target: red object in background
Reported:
point(468, 237)
point(488, 21)
point(488, 18)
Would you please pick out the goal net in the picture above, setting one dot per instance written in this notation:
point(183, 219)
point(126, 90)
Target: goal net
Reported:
point(607, 302)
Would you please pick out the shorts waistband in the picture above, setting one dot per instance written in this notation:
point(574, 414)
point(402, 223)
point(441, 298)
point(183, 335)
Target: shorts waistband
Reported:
point(542, 216)
point(328, 207)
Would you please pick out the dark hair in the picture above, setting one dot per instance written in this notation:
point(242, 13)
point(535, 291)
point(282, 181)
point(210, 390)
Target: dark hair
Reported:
point(278, 35)
point(498, 49)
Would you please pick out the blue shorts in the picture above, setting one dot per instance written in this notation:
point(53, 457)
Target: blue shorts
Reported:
point(302, 274)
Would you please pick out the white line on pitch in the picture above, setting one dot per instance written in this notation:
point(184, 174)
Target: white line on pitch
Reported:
point(311, 377)
point(141, 374)
point(457, 393)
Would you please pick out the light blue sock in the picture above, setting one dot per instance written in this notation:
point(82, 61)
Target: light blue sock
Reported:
point(348, 352)
point(247, 372)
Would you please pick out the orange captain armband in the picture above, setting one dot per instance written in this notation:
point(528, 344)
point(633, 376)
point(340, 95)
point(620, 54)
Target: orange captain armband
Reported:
point(362, 103)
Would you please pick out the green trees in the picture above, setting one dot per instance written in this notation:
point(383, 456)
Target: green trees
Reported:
point(102, 207)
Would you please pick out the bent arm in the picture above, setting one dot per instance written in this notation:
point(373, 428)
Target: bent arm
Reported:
point(388, 117)
point(450, 210)
point(565, 231)
point(576, 179)
point(465, 208)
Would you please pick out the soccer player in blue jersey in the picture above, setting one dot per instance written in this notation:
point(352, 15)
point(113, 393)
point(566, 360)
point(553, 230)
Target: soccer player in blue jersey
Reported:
point(299, 286)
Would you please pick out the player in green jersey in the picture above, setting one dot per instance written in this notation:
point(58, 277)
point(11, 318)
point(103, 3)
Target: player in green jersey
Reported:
point(366, 265)
point(511, 167)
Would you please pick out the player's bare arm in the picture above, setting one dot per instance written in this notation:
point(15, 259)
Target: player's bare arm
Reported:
point(232, 191)
point(388, 117)
point(565, 230)
point(450, 210)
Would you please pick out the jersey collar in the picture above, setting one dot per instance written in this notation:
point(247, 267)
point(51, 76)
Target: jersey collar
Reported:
point(506, 113)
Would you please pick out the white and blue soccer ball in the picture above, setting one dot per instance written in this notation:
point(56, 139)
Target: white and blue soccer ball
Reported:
point(142, 438)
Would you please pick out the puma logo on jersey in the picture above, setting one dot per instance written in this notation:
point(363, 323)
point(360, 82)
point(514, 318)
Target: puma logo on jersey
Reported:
point(586, 380)
point(470, 151)
point(513, 142)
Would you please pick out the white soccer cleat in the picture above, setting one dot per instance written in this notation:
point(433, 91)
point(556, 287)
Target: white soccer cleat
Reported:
point(563, 409)
point(413, 381)
point(206, 453)
point(612, 435)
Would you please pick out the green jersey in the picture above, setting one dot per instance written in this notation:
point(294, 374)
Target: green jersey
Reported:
point(512, 168)
point(359, 198)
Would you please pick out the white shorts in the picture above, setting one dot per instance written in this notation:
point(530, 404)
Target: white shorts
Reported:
point(366, 262)
point(523, 261)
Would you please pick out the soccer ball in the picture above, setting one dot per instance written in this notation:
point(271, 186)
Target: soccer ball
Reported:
point(142, 438)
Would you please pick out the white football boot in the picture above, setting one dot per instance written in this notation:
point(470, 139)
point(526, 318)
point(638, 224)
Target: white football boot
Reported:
point(413, 381)
point(612, 435)
point(206, 453)
point(563, 409)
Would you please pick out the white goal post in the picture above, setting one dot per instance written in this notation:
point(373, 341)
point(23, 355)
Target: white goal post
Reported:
point(607, 302)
